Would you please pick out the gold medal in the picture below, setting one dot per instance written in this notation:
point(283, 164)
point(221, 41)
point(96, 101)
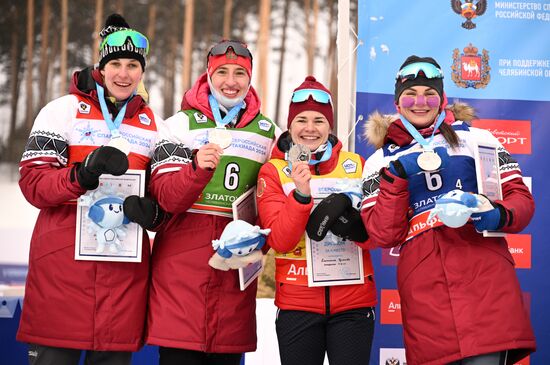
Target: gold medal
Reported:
point(429, 161)
point(120, 143)
point(220, 136)
point(299, 152)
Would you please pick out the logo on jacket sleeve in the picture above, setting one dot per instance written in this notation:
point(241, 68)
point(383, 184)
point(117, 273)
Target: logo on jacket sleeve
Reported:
point(349, 166)
point(144, 119)
point(287, 171)
point(84, 108)
point(264, 125)
point(200, 118)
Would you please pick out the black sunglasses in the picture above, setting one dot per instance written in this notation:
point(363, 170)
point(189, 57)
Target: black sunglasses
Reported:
point(237, 47)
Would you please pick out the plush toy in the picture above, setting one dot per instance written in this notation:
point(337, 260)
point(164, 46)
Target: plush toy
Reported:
point(455, 207)
point(110, 222)
point(238, 246)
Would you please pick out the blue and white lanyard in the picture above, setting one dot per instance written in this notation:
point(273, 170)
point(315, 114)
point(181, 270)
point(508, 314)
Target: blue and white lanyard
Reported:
point(215, 106)
point(325, 157)
point(113, 125)
point(417, 136)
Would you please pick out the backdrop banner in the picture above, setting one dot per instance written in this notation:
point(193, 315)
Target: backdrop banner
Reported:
point(495, 56)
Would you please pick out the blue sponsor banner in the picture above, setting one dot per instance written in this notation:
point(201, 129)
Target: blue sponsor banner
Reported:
point(507, 53)
point(495, 56)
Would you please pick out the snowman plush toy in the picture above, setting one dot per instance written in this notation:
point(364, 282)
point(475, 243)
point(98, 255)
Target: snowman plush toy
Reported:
point(109, 223)
point(239, 245)
point(455, 207)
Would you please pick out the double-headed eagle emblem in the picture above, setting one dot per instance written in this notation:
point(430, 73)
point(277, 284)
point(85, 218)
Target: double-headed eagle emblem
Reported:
point(469, 10)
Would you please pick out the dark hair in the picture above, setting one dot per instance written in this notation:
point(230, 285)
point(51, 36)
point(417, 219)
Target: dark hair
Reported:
point(449, 134)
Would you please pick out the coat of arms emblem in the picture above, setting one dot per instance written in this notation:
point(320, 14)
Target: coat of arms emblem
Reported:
point(471, 69)
point(469, 10)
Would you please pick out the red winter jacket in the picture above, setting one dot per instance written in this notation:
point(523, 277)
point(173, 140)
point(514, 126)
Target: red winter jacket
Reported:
point(460, 296)
point(287, 219)
point(78, 304)
point(193, 306)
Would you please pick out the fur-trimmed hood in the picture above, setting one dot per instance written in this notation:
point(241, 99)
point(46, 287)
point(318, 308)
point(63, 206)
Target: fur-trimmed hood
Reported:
point(377, 126)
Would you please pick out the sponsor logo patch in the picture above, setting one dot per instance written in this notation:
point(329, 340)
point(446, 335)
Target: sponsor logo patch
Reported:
point(144, 119)
point(349, 166)
point(264, 125)
point(84, 108)
point(200, 118)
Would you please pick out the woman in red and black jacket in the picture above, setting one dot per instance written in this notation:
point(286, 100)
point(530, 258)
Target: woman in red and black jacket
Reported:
point(312, 321)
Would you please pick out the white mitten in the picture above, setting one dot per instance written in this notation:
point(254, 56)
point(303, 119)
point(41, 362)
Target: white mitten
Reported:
point(218, 262)
point(236, 262)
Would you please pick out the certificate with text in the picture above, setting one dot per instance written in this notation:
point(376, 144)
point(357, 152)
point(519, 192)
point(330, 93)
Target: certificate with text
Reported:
point(244, 208)
point(334, 261)
point(488, 176)
point(103, 233)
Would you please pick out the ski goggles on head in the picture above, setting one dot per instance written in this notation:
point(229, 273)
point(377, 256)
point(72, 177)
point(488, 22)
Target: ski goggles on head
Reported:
point(411, 71)
point(318, 95)
point(237, 47)
point(118, 39)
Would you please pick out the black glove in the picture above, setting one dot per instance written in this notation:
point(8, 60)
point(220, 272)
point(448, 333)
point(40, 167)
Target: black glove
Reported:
point(103, 160)
point(144, 211)
point(325, 214)
point(350, 226)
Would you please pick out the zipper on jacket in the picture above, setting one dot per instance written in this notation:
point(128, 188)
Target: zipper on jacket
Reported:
point(327, 300)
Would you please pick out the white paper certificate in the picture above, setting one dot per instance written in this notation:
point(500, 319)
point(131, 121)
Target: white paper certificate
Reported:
point(244, 208)
point(102, 231)
point(334, 261)
point(488, 176)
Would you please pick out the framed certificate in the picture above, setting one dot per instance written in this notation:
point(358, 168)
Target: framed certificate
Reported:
point(334, 261)
point(103, 233)
point(488, 176)
point(244, 208)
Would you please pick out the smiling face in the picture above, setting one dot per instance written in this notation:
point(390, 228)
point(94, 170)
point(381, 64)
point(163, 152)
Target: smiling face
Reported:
point(309, 128)
point(122, 77)
point(419, 105)
point(231, 80)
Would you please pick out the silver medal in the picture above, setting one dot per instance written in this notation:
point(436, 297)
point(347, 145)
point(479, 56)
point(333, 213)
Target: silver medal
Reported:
point(299, 152)
point(429, 161)
point(120, 143)
point(220, 136)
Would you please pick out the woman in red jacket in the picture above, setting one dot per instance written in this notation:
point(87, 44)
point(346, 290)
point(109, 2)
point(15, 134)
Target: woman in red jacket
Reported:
point(460, 298)
point(207, 155)
point(72, 305)
point(335, 319)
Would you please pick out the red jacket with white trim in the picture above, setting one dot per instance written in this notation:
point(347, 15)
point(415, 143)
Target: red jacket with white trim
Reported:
point(90, 305)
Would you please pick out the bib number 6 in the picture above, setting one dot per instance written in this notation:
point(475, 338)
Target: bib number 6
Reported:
point(231, 177)
point(433, 181)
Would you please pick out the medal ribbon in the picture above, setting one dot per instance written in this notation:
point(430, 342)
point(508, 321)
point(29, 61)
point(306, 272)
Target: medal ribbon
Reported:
point(113, 125)
point(417, 136)
point(325, 157)
point(215, 107)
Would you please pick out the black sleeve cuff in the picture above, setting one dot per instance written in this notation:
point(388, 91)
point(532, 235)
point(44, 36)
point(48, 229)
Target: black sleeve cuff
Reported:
point(398, 166)
point(506, 217)
point(301, 199)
